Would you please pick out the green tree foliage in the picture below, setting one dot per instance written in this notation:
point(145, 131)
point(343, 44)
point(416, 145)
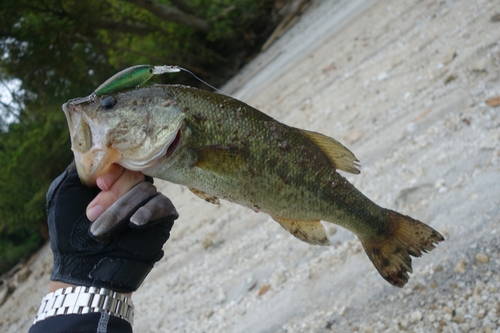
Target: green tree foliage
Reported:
point(61, 49)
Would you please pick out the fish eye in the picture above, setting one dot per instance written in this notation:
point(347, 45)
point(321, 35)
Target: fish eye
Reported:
point(108, 103)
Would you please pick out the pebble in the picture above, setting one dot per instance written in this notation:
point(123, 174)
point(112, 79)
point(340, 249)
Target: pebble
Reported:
point(277, 280)
point(447, 309)
point(477, 299)
point(460, 267)
point(209, 313)
point(449, 56)
point(207, 241)
point(458, 318)
point(332, 230)
point(353, 135)
point(416, 316)
point(382, 76)
point(221, 297)
point(479, 65)
point(482, 258)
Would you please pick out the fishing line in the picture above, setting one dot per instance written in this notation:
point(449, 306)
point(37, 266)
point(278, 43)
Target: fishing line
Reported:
point(196, 77)
point(175, 68)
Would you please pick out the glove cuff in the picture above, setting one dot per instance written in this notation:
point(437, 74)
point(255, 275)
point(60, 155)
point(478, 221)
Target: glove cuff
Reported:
point(121, 275)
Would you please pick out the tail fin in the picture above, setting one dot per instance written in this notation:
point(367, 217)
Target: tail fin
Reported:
point(390, 253)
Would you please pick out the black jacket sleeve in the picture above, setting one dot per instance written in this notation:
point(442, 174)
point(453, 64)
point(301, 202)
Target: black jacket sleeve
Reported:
point(82, 323)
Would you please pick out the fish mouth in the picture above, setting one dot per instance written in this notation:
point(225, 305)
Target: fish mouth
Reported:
point(92, 158)
point(92, 164)
point(175, 143)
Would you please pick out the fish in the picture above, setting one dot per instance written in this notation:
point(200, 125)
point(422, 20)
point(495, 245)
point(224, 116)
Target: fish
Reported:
point(222, 148)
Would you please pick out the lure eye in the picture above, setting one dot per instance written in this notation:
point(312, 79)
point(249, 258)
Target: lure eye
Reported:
point(108, 103)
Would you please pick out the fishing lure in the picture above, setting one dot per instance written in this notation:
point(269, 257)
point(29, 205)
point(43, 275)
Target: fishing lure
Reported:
point(127, 78)
point(132, 77)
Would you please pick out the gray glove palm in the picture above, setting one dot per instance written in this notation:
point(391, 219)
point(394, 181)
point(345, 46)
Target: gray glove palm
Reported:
point(153, 207)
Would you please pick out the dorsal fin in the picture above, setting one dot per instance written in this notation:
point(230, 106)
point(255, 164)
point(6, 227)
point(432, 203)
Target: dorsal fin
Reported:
point(341, 157)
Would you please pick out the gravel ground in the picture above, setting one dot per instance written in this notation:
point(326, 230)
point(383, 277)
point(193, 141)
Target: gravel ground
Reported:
point(407, 86)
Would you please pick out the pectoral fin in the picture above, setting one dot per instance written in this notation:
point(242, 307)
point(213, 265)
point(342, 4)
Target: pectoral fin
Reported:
point(205, 196)
point(341, 157)
point(311, 232)
point(220, 159)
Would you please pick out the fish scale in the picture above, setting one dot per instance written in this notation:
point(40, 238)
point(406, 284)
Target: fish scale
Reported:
point(292, 173)
point(220, 147)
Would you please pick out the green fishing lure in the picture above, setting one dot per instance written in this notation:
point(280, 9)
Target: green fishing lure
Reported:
point(132, 77)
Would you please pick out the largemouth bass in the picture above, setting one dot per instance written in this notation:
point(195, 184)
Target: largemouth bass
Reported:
point(220, 147)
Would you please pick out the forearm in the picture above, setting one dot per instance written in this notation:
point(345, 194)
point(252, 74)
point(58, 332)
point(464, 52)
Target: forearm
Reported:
point(83, 323)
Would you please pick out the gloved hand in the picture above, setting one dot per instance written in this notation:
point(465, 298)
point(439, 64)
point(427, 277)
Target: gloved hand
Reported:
point(128, 240)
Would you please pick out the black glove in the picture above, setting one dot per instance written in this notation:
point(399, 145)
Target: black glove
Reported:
point(128, 240)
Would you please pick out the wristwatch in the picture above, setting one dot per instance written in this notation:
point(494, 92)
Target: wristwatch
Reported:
point(80, 300)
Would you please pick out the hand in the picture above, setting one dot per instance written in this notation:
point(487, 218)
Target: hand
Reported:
point(123, 261)
point(114, 184)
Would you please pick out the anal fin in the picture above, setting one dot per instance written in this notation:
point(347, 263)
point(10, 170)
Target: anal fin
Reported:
point(205, 196)
point(311, 232)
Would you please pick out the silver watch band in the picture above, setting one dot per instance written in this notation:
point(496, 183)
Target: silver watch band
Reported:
point(80, 300)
